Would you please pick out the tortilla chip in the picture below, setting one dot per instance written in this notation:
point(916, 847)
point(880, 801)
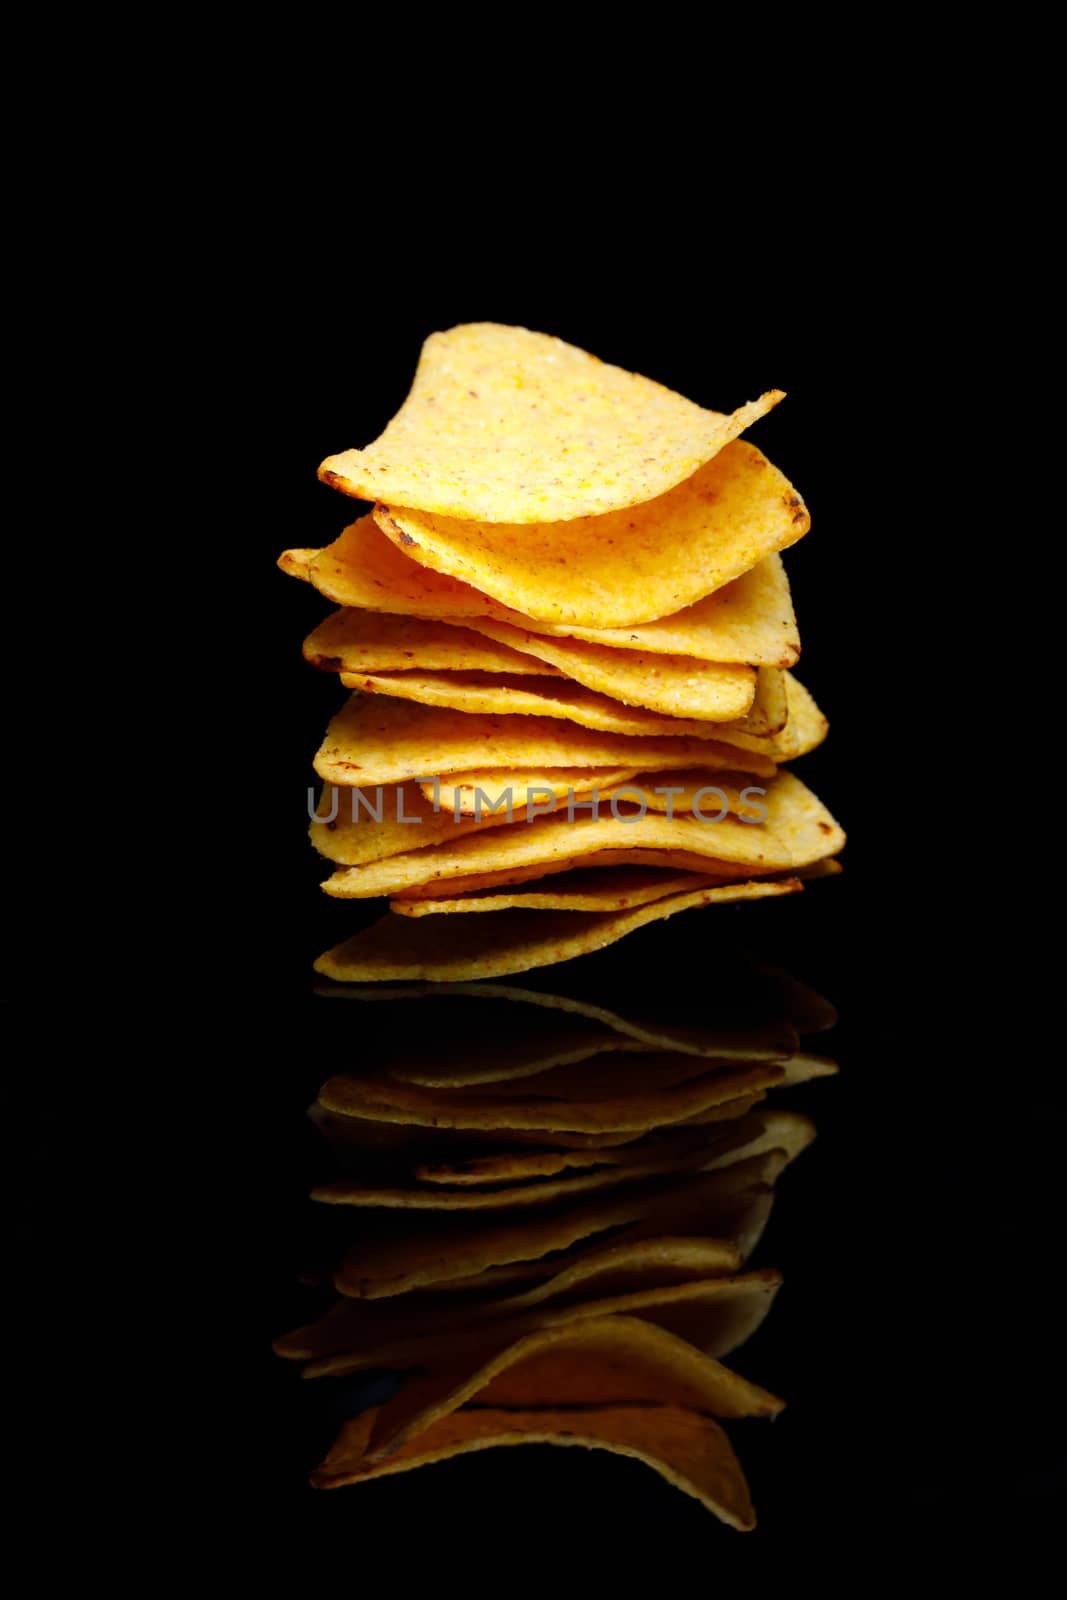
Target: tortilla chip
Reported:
point(769, 712)
point(352, 640)
point(675, 686)
point(398, 947)
point(494, 694)
point(362, 569)
point(414, 902)
point(749, 620)
point(374, 740)
point(805, 728)
point(588, 889)
point(798, 831)
point(687, 1448)
point(633, 566)
point(506, 425)
point(352, 834)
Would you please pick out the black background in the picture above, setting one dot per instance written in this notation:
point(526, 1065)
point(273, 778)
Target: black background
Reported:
point(912, 1340)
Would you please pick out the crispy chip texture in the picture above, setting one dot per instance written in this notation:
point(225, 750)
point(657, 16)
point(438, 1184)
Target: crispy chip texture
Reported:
point(589, 889)
point(471, 882)
point(506, 425)
point(350, 640)
point(366, 825)
point(750, 619)
point(631, 566)
point(674, 685)
point(490, 694)
point(798, 831)
point(437, 950)
point(375, 740)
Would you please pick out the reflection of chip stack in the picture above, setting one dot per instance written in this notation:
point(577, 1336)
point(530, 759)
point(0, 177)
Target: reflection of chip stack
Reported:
point(568, 627)
point(556, 1205)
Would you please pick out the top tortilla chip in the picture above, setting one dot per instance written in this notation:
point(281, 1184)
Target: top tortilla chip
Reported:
point(506, 425)
point(628, 567)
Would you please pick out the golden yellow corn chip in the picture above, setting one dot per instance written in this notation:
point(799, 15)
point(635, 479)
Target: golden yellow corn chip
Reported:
point(588, 889)
point(374, 740)
point(360, 825)
point(362, 569)
point(491, 694)
point(539, 877)
point(398, 947)
point(769, 712)
point(638, 565)
point(805, 728)
point(673, 685)
point(798, 830)
point(750, 619)
point(507, 425)
point(686, 1448)
point(352, 640)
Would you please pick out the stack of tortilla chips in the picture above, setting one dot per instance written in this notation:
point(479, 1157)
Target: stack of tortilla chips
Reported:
point(556, 1205)
point(567, 627)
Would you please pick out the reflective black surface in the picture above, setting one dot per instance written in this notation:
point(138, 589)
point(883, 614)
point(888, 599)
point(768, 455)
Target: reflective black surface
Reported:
point(915, 1339)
